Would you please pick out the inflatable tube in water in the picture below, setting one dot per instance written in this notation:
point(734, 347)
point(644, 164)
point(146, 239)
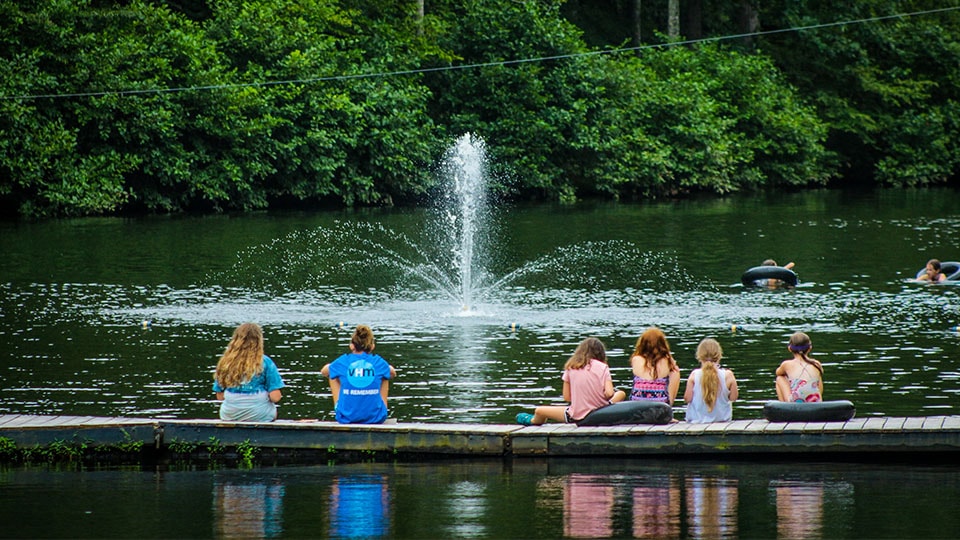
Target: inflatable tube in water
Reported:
point(950, 269)
point(751, 277)
point(629, 412)
point(820, 411)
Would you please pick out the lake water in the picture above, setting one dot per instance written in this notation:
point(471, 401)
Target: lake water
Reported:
point(489, 499)
point(74, 296)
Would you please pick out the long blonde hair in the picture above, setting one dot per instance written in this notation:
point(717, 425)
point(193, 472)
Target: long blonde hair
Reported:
point(709, 354)
point(243, 358)
point(652, 346)
point(588, 349)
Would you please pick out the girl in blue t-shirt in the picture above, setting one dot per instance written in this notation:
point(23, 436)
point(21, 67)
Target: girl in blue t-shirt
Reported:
point(246, 380)
point(360, 381)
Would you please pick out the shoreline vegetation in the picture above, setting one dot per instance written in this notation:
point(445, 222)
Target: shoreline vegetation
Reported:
point(152, 107)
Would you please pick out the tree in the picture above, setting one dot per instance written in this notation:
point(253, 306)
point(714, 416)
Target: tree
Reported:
point(673, 19)
point(887, 86)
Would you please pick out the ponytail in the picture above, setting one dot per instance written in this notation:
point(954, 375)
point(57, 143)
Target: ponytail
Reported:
point(709, 354)
point(710, 380)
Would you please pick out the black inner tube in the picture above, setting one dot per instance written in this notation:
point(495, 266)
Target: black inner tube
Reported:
point(629, 412)
point(760, 273)
point(820, 411)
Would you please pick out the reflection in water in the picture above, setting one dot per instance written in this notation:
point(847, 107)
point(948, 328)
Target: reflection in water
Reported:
point(468, 506)
point(712, 507)
point(359, 506)
point(598, 506)
point(656, 507)
point(530, 498)
point(587, 506)
point(799, 509)
point(248, 510)
point(800, 506)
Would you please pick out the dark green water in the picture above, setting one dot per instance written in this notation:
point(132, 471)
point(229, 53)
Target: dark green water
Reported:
point(74, 295)
point(522, 499)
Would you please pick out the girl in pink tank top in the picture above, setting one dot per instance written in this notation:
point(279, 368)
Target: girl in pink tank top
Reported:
point(587, 385)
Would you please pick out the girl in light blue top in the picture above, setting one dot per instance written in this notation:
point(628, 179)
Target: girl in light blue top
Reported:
point(711, 390)
point(246, 380)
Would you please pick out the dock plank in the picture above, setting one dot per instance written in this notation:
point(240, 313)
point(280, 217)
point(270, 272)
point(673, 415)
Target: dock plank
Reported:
point(913, 423)
point(873, 424)
point(8, 419)
point(894, 423)
point(951, 422)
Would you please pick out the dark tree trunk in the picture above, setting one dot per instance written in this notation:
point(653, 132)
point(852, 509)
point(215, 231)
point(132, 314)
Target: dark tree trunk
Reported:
point(693, 19)
point(749, 20)
point(673, 19)
point(637, 37)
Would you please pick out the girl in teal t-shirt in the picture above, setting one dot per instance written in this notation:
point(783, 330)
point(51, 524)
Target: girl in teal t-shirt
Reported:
point(246, 381)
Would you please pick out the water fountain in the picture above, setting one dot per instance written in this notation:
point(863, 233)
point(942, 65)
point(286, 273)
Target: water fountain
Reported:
point(442, 273)
point(466, 210)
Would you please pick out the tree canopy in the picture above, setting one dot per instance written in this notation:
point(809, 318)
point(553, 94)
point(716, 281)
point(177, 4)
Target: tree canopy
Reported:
point(213, 105)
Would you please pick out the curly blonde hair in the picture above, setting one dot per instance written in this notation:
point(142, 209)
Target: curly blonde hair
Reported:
point(243, 358)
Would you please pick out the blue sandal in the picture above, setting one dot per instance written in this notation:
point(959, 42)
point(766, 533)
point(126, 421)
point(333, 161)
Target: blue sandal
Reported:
point(525, 419)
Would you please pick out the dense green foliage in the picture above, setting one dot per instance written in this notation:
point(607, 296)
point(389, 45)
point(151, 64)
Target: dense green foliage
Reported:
point(132, 106)
point(889, 91)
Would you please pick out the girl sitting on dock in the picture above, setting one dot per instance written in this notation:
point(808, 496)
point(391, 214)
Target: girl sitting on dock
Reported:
point(800, 379)
point(587, 386)
point(656, 376)
point(246, 380)
point(711, 389)
point(360, 381)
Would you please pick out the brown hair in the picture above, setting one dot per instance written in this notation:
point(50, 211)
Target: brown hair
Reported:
point(243, 358)
point(800, 344)
point(588, 349)
point(362, 339)
point(709, 354)
point(653, 347)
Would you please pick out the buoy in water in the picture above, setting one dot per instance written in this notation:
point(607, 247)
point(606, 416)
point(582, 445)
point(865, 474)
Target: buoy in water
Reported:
point(514, 327)
point(736, 328)
point(146, 323)
point(341, 325)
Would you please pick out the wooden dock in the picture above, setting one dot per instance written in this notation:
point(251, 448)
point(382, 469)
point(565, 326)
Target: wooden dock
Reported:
point(865, 439)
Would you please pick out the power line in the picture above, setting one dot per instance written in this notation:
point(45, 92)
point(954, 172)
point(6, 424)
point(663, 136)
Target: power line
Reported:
point(474, 66)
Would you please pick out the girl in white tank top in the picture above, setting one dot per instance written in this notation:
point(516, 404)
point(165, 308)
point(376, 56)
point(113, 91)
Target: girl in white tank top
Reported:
point(711, 389)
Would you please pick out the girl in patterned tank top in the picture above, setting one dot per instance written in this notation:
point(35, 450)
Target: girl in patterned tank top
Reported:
point(656, 376)
point(800, 379)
